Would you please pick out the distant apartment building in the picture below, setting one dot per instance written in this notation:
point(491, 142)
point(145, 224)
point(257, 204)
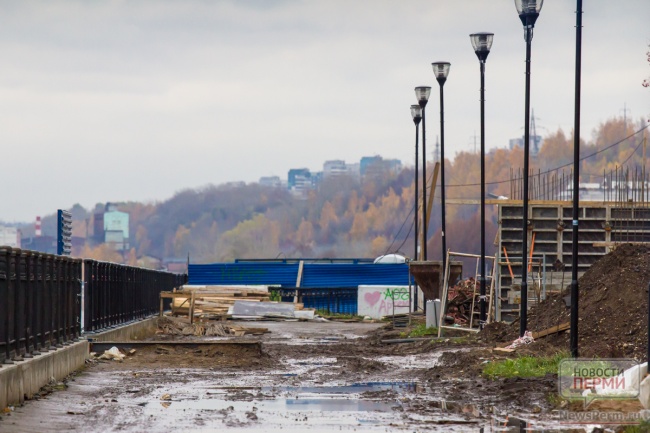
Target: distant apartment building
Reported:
point(272, 181)
point(334, 168)
point(373, 166)
point(535, 144)
point(354, 170)
point(300, 181)
point(9, 237)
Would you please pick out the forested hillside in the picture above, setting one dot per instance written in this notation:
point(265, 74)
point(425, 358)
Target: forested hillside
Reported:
point(345, 217)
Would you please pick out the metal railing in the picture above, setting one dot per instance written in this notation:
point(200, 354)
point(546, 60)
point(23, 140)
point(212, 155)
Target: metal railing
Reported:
point(115, 294)
point(38, 303)
point(41, 299)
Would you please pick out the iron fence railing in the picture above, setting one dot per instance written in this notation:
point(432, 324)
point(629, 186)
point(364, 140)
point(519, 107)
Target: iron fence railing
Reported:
point(38, 302)
point(41, 299)
point(116, 294)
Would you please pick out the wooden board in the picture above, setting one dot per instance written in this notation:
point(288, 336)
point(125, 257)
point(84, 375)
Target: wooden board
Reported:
point(552, 330)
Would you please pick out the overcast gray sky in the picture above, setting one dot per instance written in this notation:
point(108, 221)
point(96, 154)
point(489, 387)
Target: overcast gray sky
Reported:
point(136, 100)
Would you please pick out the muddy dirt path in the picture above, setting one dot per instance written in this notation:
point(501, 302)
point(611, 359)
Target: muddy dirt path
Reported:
point(317, 377)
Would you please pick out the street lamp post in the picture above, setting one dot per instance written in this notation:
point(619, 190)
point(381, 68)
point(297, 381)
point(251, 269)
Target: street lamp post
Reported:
point(482, 42)
point(416, 114)
point(422, 94)
point(441, 71)
point(528, 11)
point(576, 184)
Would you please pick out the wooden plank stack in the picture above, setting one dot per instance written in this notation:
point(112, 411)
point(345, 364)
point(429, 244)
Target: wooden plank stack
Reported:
point(211, 302)
point(181, 326)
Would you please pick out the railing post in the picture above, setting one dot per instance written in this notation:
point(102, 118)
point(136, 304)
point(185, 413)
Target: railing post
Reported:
point(88, 295)
point(19, 305)
point(77, 298)
point(58, 295)
point(105, 295)
point(48, 298)
point(66, 308)
point(11, 303)
point(5, 306)
point(29, 288)
point(127, 295)
point(39, 284)
point(93, 291)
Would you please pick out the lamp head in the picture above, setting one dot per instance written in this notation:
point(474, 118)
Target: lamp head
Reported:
point(482, 42)
point(441, 71)
point(416, 113)
point(422, 95)
point(528, 11)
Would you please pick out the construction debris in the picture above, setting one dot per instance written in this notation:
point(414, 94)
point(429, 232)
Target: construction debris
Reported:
point(113, 353)
point(210, 301)
point(552, 330)
point(460, 300)
point(252, 310)
point(225, 302)
point(521, 341)
point(177, 326)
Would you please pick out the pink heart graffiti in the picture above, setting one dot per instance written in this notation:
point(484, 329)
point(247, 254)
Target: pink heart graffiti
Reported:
point(372, 298)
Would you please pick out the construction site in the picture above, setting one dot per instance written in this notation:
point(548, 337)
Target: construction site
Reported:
point(267, 345)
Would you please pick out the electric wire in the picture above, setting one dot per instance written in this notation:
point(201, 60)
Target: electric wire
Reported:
point(497, 182)
point(505, 181)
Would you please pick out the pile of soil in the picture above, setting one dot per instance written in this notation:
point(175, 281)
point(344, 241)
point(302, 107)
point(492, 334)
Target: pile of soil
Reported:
point(613, 308)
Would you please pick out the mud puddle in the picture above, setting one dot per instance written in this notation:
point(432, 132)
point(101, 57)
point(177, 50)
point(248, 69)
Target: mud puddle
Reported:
point(357, 406)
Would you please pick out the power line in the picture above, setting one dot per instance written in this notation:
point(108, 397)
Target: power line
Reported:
point(561, 166)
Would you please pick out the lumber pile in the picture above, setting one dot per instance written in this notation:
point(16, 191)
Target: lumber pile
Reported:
point(213, 302)
point(178, 326)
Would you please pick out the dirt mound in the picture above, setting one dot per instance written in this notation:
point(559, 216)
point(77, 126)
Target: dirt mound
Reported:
point(613, 308)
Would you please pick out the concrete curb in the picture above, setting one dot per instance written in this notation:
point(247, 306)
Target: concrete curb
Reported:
point(20, 381)
point(23, 379)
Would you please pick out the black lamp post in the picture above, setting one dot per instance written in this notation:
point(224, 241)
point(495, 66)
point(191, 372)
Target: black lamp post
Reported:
point(422, 94)
point(576, 188)
point(528, 11)
point(482, 42)
point(416, 114)
point(441, 71)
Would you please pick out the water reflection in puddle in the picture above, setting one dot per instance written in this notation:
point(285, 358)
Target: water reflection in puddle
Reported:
point(365, 406)
point(355, 388)
point(288, 404)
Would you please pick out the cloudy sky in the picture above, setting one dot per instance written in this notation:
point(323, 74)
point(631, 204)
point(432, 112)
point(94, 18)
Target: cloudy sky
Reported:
point(136, 100)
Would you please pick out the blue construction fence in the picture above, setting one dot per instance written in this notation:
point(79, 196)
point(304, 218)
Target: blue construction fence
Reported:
point(332, 287)
point(340, 300)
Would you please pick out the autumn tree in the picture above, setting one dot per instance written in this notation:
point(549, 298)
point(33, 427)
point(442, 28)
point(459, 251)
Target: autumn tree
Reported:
point(102, 252)
point(646, 82)
point(257, 237)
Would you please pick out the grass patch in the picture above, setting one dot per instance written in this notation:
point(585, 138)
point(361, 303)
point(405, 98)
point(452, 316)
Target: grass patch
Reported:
point(420, 330)
point(523, 366)
point(340, 316)
point(643, 427)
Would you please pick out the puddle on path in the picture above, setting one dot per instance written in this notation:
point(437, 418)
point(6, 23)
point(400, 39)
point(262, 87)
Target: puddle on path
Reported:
point(373, 405)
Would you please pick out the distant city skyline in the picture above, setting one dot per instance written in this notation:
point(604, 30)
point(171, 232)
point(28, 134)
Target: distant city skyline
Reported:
point(135, 101)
